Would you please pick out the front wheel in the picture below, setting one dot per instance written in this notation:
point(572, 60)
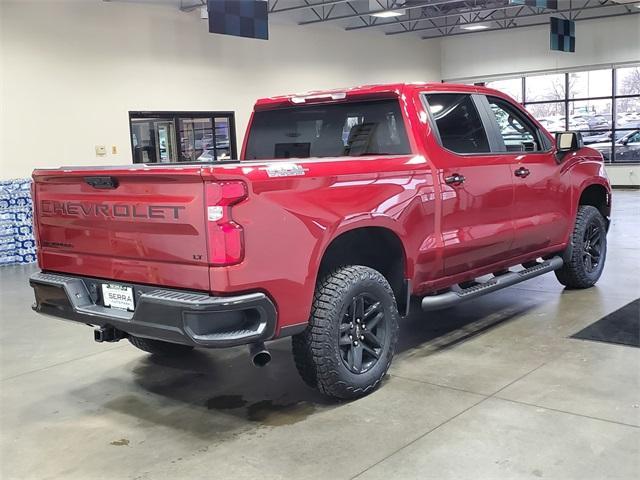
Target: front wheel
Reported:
point(348, 346)
point(585, 257)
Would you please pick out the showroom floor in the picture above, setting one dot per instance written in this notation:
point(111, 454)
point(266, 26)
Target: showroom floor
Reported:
point(493, 388)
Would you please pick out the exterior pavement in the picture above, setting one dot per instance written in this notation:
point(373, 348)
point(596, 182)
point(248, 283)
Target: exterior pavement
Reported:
point(493, 388)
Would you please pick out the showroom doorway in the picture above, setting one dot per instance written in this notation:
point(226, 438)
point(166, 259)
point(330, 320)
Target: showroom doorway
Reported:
point(172, 137)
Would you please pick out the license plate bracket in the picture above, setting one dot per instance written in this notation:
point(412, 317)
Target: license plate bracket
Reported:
point(118, 296)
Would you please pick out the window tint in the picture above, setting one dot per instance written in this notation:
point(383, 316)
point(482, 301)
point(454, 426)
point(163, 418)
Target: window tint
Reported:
point(328, 130)
point(459, 124)
point(518, 133)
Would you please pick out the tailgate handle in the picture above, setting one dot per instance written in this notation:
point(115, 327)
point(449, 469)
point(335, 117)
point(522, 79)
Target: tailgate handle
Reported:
point(102, 182)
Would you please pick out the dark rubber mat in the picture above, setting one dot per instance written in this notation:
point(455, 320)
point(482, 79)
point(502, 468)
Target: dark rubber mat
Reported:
point(621, 326)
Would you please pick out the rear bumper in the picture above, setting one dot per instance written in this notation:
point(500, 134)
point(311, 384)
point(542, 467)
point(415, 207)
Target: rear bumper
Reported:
point(190, 318)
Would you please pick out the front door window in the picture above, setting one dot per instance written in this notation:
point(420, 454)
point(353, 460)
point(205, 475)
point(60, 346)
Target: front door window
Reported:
point(517, 133)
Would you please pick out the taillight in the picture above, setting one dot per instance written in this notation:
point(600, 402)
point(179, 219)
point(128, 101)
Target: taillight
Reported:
point(226, 237)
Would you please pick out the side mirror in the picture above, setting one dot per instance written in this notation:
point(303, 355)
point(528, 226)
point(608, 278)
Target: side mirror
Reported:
point(568, 142)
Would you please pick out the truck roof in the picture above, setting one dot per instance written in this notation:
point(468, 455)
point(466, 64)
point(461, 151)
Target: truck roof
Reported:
point(388, 90)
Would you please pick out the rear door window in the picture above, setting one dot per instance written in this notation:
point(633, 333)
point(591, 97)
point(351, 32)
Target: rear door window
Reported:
point(458, 122)
point(328, 130)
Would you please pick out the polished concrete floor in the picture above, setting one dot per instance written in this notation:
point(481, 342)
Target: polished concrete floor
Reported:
point(490, 389)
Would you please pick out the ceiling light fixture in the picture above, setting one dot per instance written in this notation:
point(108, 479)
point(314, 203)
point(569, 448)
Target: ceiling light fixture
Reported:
point(475, 27)
point(388, 13)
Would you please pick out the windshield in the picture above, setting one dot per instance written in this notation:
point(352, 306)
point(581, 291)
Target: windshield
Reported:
point(328, 130)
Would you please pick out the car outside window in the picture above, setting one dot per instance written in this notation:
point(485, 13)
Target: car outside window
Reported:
point(458, 122)
point(518, 133)
point(634, 138)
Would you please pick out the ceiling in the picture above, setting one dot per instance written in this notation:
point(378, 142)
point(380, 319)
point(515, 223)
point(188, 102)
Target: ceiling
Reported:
point(427, 19)
point(440, 18)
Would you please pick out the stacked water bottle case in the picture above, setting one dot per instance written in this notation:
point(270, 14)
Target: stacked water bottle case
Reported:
point(17, 244)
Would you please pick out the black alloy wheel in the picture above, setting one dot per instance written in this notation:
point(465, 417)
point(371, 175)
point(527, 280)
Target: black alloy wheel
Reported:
point(362, 333)
point(592, 247)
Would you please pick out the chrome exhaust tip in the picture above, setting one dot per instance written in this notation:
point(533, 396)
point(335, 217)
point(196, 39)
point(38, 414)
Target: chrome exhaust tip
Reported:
point(259, 354)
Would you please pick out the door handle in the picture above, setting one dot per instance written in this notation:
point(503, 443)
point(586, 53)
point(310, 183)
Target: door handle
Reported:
point(455, 179)
point(522, 172)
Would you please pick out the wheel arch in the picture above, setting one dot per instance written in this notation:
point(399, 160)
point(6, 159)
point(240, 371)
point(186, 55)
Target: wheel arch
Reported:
point(377, 247)
point(597, 195)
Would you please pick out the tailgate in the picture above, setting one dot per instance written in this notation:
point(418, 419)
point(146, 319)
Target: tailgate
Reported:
point(136, 224)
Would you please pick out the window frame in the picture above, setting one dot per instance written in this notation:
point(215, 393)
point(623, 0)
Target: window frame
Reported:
point(397, 100)
point(491, 139)
point(490, 124)
point(175, 116)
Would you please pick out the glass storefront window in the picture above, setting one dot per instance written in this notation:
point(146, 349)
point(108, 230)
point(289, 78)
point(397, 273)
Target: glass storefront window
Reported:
point(168, 137)
point(628, 81)
point(594, 83)
point(551, 115)
point(625, 146)
point(545, 87)
point(628, 112)
point(511, 86)
point(590, 115)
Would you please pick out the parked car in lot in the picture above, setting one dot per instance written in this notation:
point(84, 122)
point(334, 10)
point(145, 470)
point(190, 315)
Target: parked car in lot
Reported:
point(627, 147)
point(589, 122)
point(558, 124)
point(553, 124)
point(441, 192)
point(627, 118)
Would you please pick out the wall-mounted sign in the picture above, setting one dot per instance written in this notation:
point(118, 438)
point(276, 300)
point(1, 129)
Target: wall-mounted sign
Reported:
point(242, 18)
point(563, 34)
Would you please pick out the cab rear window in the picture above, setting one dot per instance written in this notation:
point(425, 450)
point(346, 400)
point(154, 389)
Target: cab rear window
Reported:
point(328, 130)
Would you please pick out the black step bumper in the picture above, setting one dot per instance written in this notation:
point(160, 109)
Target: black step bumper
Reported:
point(189, 318)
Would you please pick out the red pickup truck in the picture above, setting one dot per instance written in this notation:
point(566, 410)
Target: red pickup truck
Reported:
point(343, 205)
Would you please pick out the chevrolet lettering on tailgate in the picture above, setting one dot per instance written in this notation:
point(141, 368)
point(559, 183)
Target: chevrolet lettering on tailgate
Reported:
point(119, 210)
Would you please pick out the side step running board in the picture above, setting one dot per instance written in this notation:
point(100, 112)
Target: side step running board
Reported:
point(450, 298)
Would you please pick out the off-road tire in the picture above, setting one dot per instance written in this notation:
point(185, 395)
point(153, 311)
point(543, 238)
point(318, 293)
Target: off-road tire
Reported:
point(317, 351)
point(158, 347)
point(574, 273)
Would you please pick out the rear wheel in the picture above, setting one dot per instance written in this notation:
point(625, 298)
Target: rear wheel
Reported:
point(158, 347)
point(584, 260)
point(348, 346)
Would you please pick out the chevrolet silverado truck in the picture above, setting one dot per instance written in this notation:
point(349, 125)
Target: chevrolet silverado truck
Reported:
point(342, 207)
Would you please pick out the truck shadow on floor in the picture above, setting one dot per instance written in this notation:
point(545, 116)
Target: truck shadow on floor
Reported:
point(217, 393)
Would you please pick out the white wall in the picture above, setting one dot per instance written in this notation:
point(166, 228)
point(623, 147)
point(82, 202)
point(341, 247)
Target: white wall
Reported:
point(624, 175)
point(598, 42)
point(71, 71)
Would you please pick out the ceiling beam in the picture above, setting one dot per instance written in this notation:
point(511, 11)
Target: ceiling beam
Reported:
point(528, 25)
point(369, 12)
point(455, 13)
point(486, 19)
point(326, 3)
